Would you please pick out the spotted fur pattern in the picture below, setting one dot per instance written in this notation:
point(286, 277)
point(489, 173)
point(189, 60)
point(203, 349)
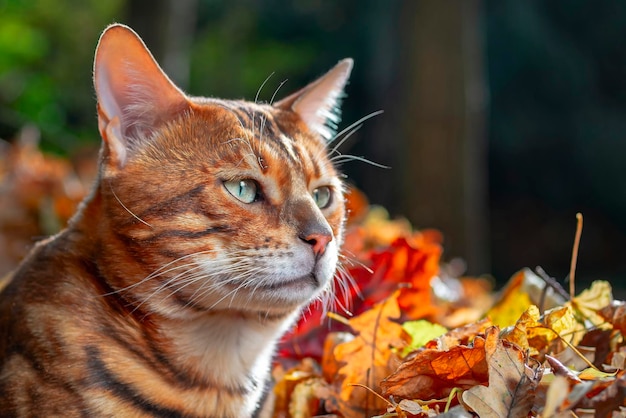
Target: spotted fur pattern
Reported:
point(167, 293)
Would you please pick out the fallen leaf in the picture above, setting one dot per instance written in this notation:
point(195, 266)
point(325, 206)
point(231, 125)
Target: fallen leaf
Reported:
point(606, 396)
point(592, 300)
point(513, 302)
point(535, 332)
point(459, 336)
point(560, 370)
point(368, 358)
point(432, 374)
point(512, 383)
point(421, 332)
point(305, 399)
point(556, 395)
point(615, 313)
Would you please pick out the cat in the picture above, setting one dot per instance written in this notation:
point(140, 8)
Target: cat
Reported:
point(211, 224)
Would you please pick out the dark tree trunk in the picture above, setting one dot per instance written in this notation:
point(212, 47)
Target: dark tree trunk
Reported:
point(167, 27)
point(443, 168)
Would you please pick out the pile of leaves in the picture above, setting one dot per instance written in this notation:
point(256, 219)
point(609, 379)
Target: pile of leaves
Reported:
point(409, 339)
point(38, 193)
point(407, 336)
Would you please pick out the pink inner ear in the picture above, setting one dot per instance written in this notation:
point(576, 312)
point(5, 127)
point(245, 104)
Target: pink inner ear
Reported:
point(131, 86)
point(318, 104)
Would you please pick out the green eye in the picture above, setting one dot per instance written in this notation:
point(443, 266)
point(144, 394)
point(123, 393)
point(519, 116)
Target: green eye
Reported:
point(244, 190)
point(322, 196)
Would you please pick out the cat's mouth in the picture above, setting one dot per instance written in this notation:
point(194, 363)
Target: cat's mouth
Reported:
point(308, 280)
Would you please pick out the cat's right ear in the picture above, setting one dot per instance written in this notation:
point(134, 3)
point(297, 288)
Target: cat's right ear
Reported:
point(135, 96)
point(318, 103)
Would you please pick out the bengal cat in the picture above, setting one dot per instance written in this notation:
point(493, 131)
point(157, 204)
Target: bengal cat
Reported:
point(211, 224)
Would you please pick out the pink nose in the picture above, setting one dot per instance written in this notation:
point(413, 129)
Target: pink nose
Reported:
point(318, 242)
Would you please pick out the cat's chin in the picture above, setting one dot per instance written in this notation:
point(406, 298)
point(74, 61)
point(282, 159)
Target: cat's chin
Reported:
point(295, 284)
point(286, 293)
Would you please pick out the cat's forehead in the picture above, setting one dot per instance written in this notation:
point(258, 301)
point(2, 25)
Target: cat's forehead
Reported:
point(266, 137)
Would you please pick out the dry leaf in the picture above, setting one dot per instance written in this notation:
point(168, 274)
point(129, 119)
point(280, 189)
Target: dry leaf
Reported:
point(368, 358)
point(512, 383)
point(421, 332)
point(556, 395)
point(592, 300)
point(459, 336)
point(513, 302)
point(432, 374)
point(615, 313)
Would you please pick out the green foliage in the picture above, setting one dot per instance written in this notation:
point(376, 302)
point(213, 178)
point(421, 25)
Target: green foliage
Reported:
point(46, 50)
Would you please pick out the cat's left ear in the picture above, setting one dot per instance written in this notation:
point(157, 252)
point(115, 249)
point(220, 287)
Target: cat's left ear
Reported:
point(135, 97)
point(318, 103)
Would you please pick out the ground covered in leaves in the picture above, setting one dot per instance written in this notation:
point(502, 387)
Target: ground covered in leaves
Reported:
point(410, 339)
point(407, 336)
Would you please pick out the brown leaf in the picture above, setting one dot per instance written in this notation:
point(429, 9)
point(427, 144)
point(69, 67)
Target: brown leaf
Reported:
point(432, 374)
point(459, 336)
point(512, 383)
point(560, 370)
point(615, 313)
point(367, 358)
point(286, 382)
point(606, 395)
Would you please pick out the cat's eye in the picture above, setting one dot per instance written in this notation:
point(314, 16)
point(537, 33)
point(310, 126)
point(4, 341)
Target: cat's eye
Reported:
point(322, 196)
point(245, 190)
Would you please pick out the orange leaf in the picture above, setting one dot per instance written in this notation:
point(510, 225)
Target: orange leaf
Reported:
point(432, 374)
point(512, 383)
point(459, 336)
point(367, 358)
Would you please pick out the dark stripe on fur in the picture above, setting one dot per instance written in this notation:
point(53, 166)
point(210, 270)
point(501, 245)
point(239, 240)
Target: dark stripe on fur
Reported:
point(101, 376)
point(186, 234)
point(19, 350)
point(115, 299)
point(268, 128)
point(177, 204)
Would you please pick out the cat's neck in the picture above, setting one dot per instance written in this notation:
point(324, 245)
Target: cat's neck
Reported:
point(226, 347)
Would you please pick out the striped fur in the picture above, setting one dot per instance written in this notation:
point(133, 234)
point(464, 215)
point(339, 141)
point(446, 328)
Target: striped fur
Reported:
point(166, 294)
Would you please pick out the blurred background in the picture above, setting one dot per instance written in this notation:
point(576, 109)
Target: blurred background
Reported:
point(502, 119)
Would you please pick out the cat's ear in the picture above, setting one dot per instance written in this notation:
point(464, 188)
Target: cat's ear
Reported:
point(318, 103)
point(134, 95)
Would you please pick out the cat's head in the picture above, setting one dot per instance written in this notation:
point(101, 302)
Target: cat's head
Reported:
point(215, 204)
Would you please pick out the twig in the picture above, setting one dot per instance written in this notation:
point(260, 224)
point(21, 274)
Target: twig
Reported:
point(572, 269)
point(551, 282)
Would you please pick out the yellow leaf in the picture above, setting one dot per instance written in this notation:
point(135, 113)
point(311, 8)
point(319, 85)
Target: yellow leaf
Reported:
point(591, 373)
point(534, 333)
point(513, 302)
point(368, 358)
point(421, 331)
point(518, 334)
point(591, 300)
point(557, 322)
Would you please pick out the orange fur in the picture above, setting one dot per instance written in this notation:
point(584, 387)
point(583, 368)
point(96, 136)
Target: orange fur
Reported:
point(166, 294)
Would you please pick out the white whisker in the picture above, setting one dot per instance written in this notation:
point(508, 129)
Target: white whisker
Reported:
point(352, 125)
point(258, 92)
point(276, 91)
point(125, 208)
point(344, 139)
point(343, 158)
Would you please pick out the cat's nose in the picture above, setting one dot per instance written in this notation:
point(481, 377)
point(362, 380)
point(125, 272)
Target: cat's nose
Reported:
point(318, 241)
